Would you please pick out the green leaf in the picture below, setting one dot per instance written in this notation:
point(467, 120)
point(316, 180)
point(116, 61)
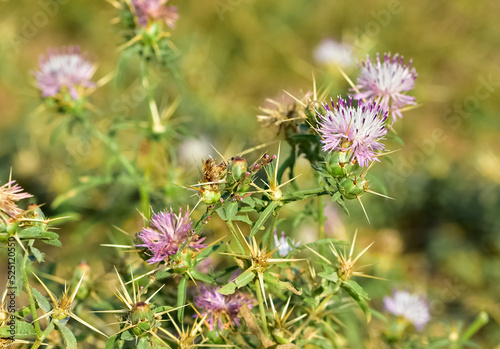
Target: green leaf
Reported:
point(23, 330)
point(202, 277)
point(41, 300)
point(336, 243)
point(343, 206)
point(181, 297)
point(110, 344)
point(334, 277)
point(264, 216)
point(242, 280)
point(68, 337)
point(282, 285)
point(243, 218)
point(143, 343)
point(38, 255)
point(231, 210)
point(249, 201)
point(336, 196)
point(127, 335)
point(222, 213)
point(359, 295)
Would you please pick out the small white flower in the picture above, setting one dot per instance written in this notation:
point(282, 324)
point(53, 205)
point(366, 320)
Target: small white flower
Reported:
point(412, 307)
point(282, 244)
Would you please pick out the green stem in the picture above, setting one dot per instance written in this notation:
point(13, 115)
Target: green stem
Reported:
point(45, 333)
point(30, 296)
point(261, 307)
point(304, 194)
point(321, 218)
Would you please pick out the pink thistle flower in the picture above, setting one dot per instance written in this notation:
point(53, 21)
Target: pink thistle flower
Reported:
point(385, 83)
point(9, 194)
point(413, 308)
point(64, 67)
point(155, 10)
point(221, 309)
point(355, 129)
point(167, 233)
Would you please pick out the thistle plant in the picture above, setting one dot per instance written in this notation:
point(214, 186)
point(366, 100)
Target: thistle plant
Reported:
point(256, 289)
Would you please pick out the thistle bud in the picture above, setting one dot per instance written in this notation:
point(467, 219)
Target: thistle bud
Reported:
point(351, 188)
point(340, 165)
point(210, 197)
point(238, 167)
point(141, 312)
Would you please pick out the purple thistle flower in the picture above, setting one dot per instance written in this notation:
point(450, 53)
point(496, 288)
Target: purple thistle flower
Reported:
point(64, 67)
point(155, 10)
point(9, 194)
point(221, 309)
point(282, 244)
point(385, 83)
point(355, 129)
point(413, 308)
point(167, 233)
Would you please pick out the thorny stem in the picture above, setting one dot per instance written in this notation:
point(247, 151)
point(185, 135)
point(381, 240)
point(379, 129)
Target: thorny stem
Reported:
point(30, 297)
point(261, 307)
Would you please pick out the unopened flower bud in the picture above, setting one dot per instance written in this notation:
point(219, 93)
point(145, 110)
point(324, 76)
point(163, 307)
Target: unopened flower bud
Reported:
point(210, 197)
point(340, 165)
point(351, 188)
point(238, 167)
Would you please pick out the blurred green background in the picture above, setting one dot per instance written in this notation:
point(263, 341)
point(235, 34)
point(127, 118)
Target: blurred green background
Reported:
point(442, 233)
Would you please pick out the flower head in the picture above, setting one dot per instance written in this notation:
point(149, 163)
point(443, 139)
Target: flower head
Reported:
point(153, 10)
point(355, 129)
point(282, 244)
point(221, 309)
point(332, 52)
point(64, 67)
point(9, 194)
point(167, 233)
point(385, 83)
point(412, 307)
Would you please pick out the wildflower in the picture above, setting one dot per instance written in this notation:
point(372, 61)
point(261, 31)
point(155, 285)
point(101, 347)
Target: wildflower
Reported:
point(9, 194)
point(411, 307)
point(332, 52)
point(385, 83)
point(64, 67)
point(154, 10)
point(282, 244)
point(167, 233)
point(354, 129)
point(221, 309)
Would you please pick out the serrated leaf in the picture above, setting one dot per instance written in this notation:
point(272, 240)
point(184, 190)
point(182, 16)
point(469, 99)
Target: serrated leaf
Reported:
point(69, 338)
point(242, 280)
point(41, 300)
point(281, 285)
